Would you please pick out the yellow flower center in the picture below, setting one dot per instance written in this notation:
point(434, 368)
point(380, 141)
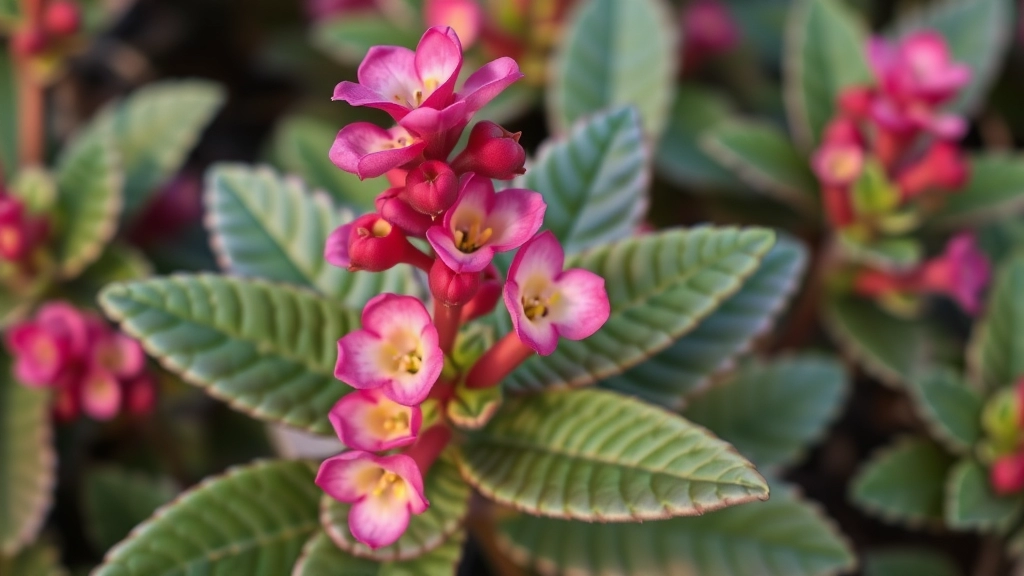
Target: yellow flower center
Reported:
point(538, 306)
point(389, 482)
point(403, 353)
point(471, 238)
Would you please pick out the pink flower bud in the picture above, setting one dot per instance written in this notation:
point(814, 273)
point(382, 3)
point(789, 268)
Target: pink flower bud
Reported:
point(451, 288)
point(375, 244)
point(962, 272)
point(62, 18)
point(15, 236)
point(708, 29)
point(432, 187)
point(1007, 474)
point(101, 394)
point(838, 165)
point(492, 152)
point(140, 395)
point(464, 16)
point(856, 101)
point(487, 296)
point(843, 130)
point(29, 42)
point(397, 211)
point(944, 167)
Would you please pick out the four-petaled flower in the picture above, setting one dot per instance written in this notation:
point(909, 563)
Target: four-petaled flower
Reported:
point(369, 420)
point(368, 151)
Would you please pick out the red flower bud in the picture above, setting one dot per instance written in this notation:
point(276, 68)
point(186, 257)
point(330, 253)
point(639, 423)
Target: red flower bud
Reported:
point(943, 167)
point(843, 130)
point(487, 295)
point(431, 188)
point(16, 232)
point(62, 18)
point(375, 244)
point(451, 288)
point(1007, 474)
point(493, 152)
point(856, 101)
point(30, 42)
point(140, 395)
point(398, 212)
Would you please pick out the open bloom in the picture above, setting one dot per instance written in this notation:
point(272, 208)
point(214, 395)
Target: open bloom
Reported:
point(396, 350)
point(962, 272)
point(385, 491)
point(919, 67)
point(368, 420)
point(546, 302)
point(116, 353)
point(46, 347)
point(483, 222)
point(368, 151)
point(943, 167)
point(102, 394)
point(838, 164)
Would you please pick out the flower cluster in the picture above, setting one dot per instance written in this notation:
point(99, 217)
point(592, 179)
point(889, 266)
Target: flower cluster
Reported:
point(57, 22)
point(20, 232)
point(397, 360)
point(889, 156)
point(91, 367)
point(1003, 446)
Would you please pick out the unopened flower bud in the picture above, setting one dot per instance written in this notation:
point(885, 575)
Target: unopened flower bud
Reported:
point(397, 211)
point(1007, 474)
point(492, 152)
point(17, 234)
point(375, 244)
point(29, 42)
point(943, 167)
point(451, 288)
point(432, 187)
point(140, 395)
point(62, 18)
point(856, 101)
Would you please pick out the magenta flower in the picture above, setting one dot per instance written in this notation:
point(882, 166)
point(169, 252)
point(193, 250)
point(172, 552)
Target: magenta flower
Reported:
point(464, 16)
point(962, 272)
point(546, 302)
point(904, 119)
point(918, 68)
point(483, 222)
point(117, 354)
point(368, 151)
point(838, 164)
point(385, 491)
point(101, 394)
point(368, 420)
point(45, 347)
point(396, 350)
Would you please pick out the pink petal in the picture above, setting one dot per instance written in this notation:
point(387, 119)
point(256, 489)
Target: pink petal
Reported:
point(464, 16)
point(369, 151)
point(443, 243)
point(101, 395)
point(343, 476)
point(359, 360)
point(66, 321)
point(336, 248)
point(516, 216)
point(356, 420)
point(359, 95)
point(438, 60)
point(386, 313)
point(119, 355)
point(881, 55)
point(583, 304)
point(429, 122)
point(390, 71)
point(541, 334)
point(542, 256)
point(378, 521)
point(413, 389)
point(406, 468)
point(489, 81)
point(39, 356)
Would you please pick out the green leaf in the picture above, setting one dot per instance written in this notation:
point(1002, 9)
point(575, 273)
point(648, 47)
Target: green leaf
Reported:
point(691, 362)
point(27, 462)
point(89, 198)
point(904, 482)
point(595, 181)
point(996, 351)
point(615, 52)
point(993, 192)
point(598, 456)
point(660, 287)
point(971, 504)
point(115, 500)
point(253, 520)
point(264, 225)
point(472, 408)
point(268, 350)
point(8, 112)
point(894, 350)
point(37, 560)
point(762, 156)
point(785, 536)
point(448, 495)
point(679, 157)
point(950, 408)
point(36, 187)
point(348, 37)
point(154, 129)
point(803, 394)
point(301, 146)
point(908, 562)
point(889, 254)
point(320, 557)
point(118, 263)
point(978, 33)
point(824, 53)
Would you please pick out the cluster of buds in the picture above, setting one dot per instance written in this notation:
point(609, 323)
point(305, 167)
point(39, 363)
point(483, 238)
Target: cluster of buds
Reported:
point(45, 24)
point(21, 232)
point(92, 368)
point(870, 164)
point(397, 360)
point(1003, 423)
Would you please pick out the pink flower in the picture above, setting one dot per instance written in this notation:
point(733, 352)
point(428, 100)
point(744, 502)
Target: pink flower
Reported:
point(392, 206)
point(962, 272)
point(838, 164)
point(117, 354)
point(140, 395)
point(20, 233)
point(918, 68)
point(493, 152)
point(708, 29)
point(398, 80)
point(943, 167)
point(483, 222)
point(396, 350)
point(385, 491)
point(431, 188)
point(325, 9)
point(909, 117)
point(464, 16)
point(1007, 474)
point(546, 302)
point(46, 347)
point(372, 243)
point(368, 151)
point(368, 420)
point(101, 394)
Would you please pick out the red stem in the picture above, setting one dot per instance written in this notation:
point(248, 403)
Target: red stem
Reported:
point(31, 125)
point(498, 362)
point(429, 446)
point(417, 258)
point(447, 319)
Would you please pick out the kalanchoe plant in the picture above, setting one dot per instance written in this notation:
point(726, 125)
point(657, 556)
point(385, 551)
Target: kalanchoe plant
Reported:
point(446, 339)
